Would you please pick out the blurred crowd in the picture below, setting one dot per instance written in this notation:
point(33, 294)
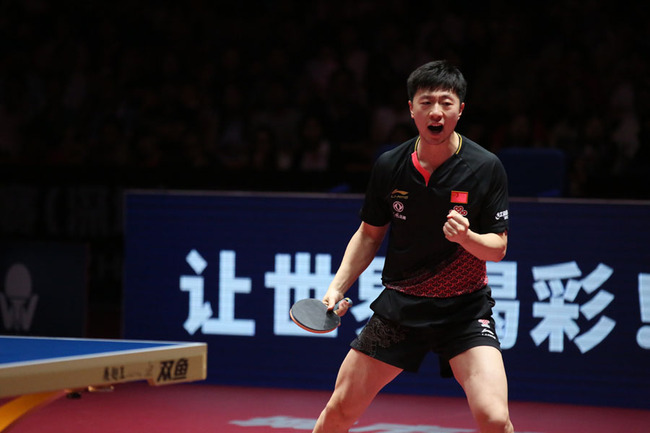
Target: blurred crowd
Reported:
point(319, 87)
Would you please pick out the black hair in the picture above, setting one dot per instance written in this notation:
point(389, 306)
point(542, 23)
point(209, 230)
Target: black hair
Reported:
point(439, 74)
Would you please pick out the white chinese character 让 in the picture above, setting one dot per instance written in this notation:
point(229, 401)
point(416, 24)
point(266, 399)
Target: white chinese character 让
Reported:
point(200, 312)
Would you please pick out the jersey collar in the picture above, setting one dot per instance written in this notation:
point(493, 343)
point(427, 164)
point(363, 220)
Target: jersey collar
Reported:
point(460, 143)
point(416, 161)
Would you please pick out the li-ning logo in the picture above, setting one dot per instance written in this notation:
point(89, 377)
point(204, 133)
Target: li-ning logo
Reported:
point(485, 324)
point(399, 194)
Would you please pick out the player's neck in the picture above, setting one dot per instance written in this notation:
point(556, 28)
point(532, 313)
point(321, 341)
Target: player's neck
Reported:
point(433, 155)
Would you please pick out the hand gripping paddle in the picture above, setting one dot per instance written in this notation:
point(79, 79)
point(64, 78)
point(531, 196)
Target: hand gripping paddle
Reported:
point(312, 315)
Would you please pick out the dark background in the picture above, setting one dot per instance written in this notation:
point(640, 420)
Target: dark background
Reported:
point(99, 97)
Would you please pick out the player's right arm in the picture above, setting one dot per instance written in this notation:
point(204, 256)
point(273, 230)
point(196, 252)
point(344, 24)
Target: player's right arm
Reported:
point(360, 252)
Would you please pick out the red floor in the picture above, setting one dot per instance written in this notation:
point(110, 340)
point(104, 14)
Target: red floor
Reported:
point(200, 408)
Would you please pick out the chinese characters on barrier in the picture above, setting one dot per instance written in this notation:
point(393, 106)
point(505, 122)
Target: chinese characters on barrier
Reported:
point(557, 287)
point(571, 304)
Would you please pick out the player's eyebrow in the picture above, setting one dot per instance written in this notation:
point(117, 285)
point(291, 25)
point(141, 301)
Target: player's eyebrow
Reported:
point(439, 94)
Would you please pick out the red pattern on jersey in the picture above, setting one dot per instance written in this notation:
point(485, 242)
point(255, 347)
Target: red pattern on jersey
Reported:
point(462, 273)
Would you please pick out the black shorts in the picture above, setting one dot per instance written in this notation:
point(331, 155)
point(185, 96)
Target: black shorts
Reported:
point(406, 347)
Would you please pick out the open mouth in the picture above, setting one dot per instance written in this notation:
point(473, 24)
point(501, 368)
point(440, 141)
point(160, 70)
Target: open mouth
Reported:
point(435, 128)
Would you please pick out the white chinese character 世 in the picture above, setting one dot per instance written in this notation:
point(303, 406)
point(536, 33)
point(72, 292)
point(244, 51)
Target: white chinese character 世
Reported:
point(303, 282)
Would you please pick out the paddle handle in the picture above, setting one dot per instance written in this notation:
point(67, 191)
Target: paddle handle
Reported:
point(336, 307)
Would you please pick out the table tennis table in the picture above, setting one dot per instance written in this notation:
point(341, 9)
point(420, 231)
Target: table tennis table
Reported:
point(37, 370)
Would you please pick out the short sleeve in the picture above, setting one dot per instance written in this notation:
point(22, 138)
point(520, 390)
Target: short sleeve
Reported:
point(375, 210)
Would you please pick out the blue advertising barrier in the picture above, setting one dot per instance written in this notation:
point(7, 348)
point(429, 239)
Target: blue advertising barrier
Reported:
point(573, 293)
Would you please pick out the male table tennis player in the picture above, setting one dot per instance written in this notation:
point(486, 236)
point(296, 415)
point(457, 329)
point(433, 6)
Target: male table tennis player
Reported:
point(445, 200)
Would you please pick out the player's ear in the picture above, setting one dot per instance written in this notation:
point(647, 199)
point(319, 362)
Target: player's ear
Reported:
point(462, 107)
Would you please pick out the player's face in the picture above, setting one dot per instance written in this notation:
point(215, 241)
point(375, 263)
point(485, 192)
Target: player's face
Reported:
point(436, 113)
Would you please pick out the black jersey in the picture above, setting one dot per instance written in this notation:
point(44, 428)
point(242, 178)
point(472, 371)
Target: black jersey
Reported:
point(420, 261)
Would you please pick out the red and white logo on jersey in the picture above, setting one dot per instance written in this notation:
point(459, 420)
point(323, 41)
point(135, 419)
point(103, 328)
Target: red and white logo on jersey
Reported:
point(461, 210)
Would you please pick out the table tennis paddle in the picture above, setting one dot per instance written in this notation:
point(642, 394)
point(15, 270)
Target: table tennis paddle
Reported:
point(312, 315)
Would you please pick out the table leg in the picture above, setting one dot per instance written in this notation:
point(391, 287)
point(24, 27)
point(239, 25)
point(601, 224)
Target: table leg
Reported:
point(13, 410)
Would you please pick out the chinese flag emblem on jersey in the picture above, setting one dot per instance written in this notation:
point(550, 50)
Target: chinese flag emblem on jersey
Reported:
point(459, 197)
